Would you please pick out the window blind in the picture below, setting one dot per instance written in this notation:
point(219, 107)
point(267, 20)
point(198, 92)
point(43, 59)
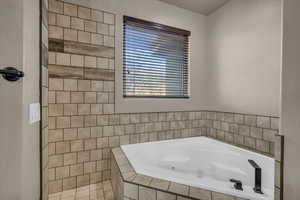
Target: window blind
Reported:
point(155, 60)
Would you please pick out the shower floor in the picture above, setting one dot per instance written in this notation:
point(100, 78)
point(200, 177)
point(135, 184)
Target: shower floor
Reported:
point(99, 191)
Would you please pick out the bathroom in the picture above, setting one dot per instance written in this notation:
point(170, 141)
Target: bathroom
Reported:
point(149, 100)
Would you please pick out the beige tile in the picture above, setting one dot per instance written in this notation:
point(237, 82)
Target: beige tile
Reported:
point(63, 59)
point(97, 15)
point(70, 9)
point(269, 135)
point(70, 158)
point(77, 23)
point(70, 84)
point(183, 198)
point(200, 193)
point(62, 147)
point(102, 142)
point(179, 188)
point(111, 30)
point(84, 37)
point(97, 85)
point(52, 58)
point(108, 86)
point(70, 109)
point(51, 18)
point(70, 34)
point(51, 174)
point(55, 32)
point(55, 84)
point(56, 6)
point(142, 179)
point(146, 193)
point(109, 41)
point(54, 186)
point(278, 174)
point(55, 161)
point(55, 110)
point(165, 196)
point(90, 144)
point(76, 170)
point(96, 109)
point(83, 156)
point(84, 13)
point(90, 61)
point(62, 97)
point(84, 85)
point(96, 132)
point(219, 196)
point(109, 18)
point(103, 63)
point(77, 97)
point(90, 120)
point(70, 134)
point(95, 177)
point(63, 122)
point(51, 122)
point(262, 146)
point(77, 60)
point(263, 122)
point(84, 109)
point(83, 180)
point(160, 184)
point(103, 28)
point(275, 123)
point(89, 167)
point(62, 172)
point(76, 145)
point(96, 155)
point(63, 20)
point(131, 191)
point(250, 120)
point(69, 183)
point(90, 26)
point(97, 39)
point(90, 97)
point(256, 132)
point(55, 135)
point(111, 64)
point(89, 49)
point(84, 133)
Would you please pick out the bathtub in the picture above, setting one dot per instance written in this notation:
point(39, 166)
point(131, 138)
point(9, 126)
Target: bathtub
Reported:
point(204, 163)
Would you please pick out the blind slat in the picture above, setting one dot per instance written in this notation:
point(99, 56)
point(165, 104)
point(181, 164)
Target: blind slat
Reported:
point(155, 61)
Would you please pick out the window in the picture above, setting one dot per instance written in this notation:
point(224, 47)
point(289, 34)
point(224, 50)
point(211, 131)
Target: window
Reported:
point(155, 60)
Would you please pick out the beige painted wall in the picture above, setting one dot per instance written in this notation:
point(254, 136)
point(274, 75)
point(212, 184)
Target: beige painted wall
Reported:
point(244, 57)
point(19, 141)
point(30, 154)
point(291, 98)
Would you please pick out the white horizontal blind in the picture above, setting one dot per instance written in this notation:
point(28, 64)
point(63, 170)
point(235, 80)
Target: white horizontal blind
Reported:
point(155, 60)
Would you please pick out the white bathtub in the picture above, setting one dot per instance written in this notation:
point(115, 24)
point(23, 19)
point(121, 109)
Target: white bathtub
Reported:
point(203, 162)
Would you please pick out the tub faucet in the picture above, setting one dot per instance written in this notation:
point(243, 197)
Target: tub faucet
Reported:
point(257, 187)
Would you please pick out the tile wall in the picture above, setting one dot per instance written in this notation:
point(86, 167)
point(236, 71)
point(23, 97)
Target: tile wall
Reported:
point(83, 125)
point(44, 95)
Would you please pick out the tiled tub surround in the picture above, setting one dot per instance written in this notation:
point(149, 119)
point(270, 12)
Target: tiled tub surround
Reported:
point(83, 125)
point(129, 185)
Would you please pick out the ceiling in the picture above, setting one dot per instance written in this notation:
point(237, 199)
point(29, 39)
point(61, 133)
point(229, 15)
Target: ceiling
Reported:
point(204, 7)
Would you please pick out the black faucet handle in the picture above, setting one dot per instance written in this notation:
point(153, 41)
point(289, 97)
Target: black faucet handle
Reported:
point(237, 184)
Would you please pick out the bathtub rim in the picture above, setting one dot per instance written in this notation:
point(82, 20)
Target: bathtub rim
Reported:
point(129, 175)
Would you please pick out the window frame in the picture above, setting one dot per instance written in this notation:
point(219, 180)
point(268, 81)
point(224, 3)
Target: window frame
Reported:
point(159, 27)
